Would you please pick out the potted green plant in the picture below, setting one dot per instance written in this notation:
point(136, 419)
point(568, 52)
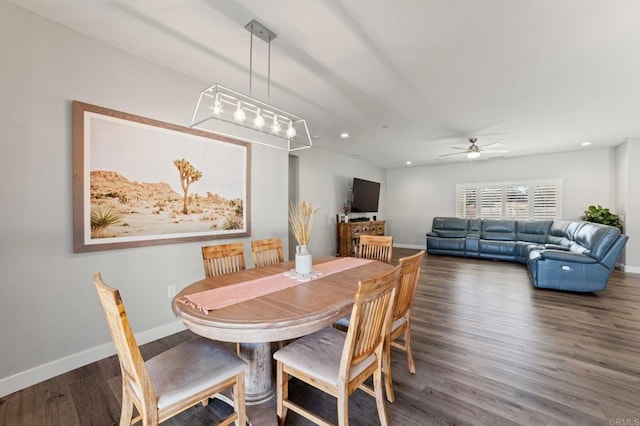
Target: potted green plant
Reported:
point(599, 214)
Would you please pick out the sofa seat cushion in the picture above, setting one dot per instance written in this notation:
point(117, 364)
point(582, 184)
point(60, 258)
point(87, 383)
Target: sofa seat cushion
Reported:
point(438, 243)
point(523, 248)
point(498, 248)
point(577, 248)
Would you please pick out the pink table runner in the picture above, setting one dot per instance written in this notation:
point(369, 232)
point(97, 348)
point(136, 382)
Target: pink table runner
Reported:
point(217, 298)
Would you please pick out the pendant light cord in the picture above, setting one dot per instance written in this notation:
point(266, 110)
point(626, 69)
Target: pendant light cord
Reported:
point(250, 61)
point(269, 74)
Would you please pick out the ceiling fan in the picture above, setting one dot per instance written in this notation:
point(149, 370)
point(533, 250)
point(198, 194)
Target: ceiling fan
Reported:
point(473, 150)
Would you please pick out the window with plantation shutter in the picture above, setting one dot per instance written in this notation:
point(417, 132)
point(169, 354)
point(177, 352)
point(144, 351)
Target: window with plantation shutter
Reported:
point(514, 200)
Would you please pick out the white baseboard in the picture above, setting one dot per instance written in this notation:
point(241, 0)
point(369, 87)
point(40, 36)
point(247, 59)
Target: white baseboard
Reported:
point(410, 246)
point(24, 379)
point(631, 269)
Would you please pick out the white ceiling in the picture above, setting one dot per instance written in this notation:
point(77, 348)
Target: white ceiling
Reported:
point(407, 79)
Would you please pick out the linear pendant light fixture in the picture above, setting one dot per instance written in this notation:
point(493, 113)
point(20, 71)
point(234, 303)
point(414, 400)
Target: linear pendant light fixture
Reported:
point(225, 111)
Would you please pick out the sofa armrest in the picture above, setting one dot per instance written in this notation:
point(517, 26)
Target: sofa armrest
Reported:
point(556, 247)
point(566, 256)
point(432, 234)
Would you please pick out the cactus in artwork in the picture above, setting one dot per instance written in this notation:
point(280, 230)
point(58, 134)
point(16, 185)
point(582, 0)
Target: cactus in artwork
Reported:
point(188, 175)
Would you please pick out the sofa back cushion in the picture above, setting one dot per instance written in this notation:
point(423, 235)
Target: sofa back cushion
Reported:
point(450, 227)
point(572, 229)
point(498, 229)
point(535, 231)
point(558, 233)
point(596, 237)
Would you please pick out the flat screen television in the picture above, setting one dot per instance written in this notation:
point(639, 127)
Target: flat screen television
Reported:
point(365, 196)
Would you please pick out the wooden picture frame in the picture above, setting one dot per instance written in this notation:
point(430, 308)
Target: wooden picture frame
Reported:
point(140, 182)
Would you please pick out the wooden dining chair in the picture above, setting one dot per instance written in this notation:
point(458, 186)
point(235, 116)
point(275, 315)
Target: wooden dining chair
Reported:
point(223, 259)
point(376, 247)
point(175, 380)
point(267, 252)
point(401, 321)
point(338, 363)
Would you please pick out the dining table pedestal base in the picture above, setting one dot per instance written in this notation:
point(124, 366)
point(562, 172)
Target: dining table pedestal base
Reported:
point(259, 383)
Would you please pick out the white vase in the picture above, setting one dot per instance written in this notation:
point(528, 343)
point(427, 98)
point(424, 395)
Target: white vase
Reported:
point(304, 263)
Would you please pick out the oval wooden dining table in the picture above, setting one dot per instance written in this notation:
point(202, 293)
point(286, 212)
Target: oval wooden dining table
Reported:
point(281, 315)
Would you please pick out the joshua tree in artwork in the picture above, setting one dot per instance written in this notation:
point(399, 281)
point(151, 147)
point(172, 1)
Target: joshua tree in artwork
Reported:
point(188, 175)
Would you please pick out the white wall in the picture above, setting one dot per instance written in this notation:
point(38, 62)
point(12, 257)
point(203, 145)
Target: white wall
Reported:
point(416, 194)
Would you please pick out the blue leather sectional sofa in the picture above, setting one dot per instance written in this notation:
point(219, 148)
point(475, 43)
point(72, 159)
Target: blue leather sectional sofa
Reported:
point(560, 254)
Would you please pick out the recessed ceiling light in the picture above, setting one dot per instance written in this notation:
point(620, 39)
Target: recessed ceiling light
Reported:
point(408, 163)
point(344, 135)
point(585, 143)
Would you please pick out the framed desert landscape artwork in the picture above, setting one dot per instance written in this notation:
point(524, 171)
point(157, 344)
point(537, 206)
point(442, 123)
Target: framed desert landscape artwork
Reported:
point(140, 182)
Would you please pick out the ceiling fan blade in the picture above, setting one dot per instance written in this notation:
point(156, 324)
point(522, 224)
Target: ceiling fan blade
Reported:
point(495, 151)
point(453, 153)
point(494, 144)
point(459, 147)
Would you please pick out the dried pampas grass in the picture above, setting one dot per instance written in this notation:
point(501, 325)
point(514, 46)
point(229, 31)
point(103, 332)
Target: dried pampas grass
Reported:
point(302, 216)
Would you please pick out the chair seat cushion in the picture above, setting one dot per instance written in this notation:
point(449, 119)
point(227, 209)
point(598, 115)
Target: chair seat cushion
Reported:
point(344, 321)
point(189, 368)
point(398, 323)
point(318, 355)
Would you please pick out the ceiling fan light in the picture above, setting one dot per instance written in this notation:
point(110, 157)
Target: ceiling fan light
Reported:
point(473, 154)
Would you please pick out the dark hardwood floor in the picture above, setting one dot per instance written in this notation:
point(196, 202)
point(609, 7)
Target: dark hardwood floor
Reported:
point(489, 350)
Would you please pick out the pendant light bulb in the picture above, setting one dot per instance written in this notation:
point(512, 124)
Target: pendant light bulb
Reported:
point(239, 115)
point(291, 132)
point(217, 105)
point(275, 127)
point(258, 122)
